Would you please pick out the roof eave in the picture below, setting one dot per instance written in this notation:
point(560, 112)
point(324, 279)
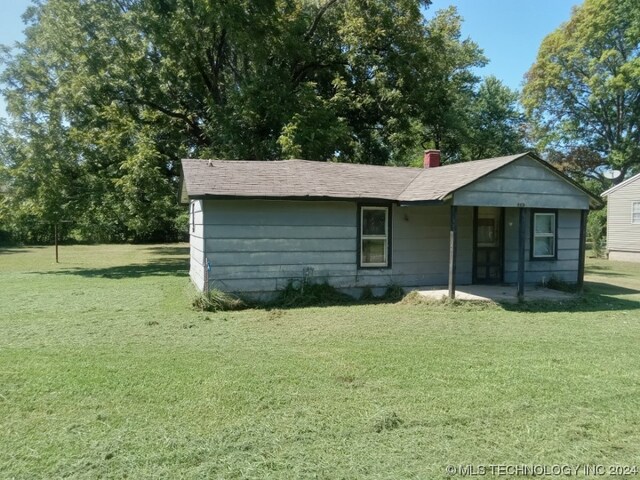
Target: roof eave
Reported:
point(594, 202)
point(448, 195)
point(324, 198)
point(620, 185)
point(416, 203)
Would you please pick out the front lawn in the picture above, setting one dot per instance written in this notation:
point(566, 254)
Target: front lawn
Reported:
point(105, 371)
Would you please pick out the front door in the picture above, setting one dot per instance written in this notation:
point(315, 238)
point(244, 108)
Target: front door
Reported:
point(487, 245)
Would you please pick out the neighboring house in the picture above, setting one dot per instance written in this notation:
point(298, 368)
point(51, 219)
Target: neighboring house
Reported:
point(257, 225)
point(623, 220)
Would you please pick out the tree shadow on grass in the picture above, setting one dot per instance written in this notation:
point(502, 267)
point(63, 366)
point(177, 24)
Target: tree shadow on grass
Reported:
point(14, 250)
point(175, 267)
point(609, 289)
point(169, 250)
point(172, 267)
point(605, 271)
point(171, 260)
point(597, 297)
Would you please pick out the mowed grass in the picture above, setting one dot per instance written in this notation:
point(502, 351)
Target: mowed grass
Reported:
point(106, 372)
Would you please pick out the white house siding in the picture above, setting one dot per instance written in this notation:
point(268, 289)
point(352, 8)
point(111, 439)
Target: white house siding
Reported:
point(623, 236)
point(256, 246)
point(565, 267)
point(196, 240)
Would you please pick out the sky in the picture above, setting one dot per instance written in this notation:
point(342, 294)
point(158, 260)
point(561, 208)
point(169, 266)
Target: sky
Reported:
point(509, 31)
point(11, 28)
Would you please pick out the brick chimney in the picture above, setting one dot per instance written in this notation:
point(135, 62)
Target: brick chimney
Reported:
point(431, 158)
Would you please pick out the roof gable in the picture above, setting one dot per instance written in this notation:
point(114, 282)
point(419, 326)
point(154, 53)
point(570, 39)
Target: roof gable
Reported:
point(526, 182)
point(628, 181)
point(438, 183)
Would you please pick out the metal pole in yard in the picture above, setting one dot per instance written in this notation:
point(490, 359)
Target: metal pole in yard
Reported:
point(55, 239)
point(453, 248)
point(582, 251)
point(521, 241)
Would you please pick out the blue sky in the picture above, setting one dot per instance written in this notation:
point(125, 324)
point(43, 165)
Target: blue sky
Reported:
point(509, 31)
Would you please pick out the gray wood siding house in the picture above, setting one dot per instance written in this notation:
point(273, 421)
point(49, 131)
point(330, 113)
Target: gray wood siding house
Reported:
point(623, 220)
point(255, 226)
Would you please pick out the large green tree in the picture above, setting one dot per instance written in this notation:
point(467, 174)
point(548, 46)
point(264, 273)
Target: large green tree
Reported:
point(494, 122)
point(583, 92)
point(112, 93)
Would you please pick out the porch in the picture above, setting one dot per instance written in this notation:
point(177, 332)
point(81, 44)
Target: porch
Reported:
point(523, 250)
point(494, 293)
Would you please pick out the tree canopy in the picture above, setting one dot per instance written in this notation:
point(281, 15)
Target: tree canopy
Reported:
point(105, 97)
point(583, 92)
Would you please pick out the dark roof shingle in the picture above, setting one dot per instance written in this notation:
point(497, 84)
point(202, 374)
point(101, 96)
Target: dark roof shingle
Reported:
point(437, 183)
point(309, 179)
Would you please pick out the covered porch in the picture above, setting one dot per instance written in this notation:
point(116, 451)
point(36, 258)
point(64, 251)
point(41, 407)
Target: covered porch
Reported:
point(512, 221)
point(512, 246)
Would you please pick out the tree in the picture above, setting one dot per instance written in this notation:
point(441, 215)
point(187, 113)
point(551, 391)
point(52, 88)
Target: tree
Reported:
point(445, 96)
point(495, 124)
point(40, 177)
point(583, 92)
point(125, 88)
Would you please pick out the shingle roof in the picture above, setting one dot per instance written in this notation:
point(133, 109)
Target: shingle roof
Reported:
point(294, 178)
point(437, 183)
point(308, 179)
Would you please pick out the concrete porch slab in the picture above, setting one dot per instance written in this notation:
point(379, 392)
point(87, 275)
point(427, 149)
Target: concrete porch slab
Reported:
point(495, 293)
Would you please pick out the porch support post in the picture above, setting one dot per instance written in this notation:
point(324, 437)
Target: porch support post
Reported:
point(521, 240)
point(581, 257)
point(453, 246)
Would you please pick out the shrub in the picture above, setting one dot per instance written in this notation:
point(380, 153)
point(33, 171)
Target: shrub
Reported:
point(595, 232)
point(555, 283)
point(217, 301)
point(306, 294)
point(393, 293)
point(367, 294)
point(181, 226)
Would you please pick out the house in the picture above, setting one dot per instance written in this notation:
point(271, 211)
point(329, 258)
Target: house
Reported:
point(255, 226)
point(623, 220)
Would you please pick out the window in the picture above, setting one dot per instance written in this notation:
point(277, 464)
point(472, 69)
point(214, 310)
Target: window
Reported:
point(193, 216)
point(635, 212)
point(544, 235)
point(374, 237)
point(487, 232)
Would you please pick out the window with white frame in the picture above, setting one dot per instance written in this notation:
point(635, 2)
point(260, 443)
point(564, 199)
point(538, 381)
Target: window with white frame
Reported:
point(374, 236)
point(635, 212)
point(544, 235)
point(193, 216)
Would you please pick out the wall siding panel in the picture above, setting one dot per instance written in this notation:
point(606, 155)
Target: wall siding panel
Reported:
point(258, 246)
point(536, 271)
point(622, 234)
point(196, 242)
point(526, 182)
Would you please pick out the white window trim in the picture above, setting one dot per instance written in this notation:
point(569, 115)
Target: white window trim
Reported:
point(545, 235)
point(384, 237)
point(633, 212)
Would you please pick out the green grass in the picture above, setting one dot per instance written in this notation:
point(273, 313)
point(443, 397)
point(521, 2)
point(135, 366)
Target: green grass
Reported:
point(107, 372)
